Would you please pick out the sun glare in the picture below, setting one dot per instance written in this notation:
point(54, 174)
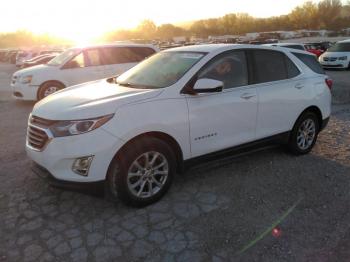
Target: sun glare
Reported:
point(84, 21)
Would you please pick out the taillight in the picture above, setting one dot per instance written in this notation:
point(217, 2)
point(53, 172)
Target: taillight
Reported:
point(329, 83)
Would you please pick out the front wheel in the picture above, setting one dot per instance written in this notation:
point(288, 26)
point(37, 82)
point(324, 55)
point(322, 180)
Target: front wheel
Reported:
point(48, 89)
point(142, 173)
point(304, 134)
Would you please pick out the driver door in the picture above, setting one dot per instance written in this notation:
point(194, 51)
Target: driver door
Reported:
point(224, 119)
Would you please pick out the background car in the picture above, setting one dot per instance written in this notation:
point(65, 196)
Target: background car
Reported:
point(337, 56)
point(12, 55)
point(297, 46)
point(76, 66)
point(3, 53)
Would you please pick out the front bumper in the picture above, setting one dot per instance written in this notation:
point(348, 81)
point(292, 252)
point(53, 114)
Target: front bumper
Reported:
point(335, 64)
point(24, 91)
point(60, 153)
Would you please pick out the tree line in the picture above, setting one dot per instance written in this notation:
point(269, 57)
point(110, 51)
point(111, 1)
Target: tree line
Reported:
point(327, 14)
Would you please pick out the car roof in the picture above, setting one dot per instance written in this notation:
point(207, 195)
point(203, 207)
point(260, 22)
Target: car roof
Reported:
point(217, 48)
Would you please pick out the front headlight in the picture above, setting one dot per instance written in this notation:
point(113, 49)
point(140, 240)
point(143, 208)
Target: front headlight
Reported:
point(26, 79)
point(343, 58)
point(76, 127)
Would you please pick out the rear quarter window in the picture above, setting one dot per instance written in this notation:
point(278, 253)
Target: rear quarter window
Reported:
point(311, 62)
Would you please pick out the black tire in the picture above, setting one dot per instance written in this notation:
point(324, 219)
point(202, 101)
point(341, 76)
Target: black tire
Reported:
point(42, 93)
point(117, 177)
point(293, 145)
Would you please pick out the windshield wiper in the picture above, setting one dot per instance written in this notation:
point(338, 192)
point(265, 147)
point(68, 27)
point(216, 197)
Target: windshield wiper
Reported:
point(136, 86)
point(126, 84)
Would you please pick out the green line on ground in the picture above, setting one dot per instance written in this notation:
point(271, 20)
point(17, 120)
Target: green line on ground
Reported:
point(268, 230)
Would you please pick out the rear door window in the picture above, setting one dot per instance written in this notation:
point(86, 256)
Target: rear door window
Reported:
point(311, 62)
point(142, 52)
point(268, 66)
point(122, 55)
point(110, 55)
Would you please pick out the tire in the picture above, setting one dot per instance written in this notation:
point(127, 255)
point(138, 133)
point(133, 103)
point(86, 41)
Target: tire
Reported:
point(137, 183)
point(301, 142)
point(48, 88)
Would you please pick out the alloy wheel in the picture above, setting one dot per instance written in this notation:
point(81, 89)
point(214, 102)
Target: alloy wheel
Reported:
point(148, 174)
point(306, 134)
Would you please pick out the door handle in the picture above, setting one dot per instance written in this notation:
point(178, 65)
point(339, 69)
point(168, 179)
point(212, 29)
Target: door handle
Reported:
point(299, 86)
point(247, 96)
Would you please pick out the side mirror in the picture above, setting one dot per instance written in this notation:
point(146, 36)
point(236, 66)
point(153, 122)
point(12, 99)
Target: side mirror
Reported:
point(206, 85)
point(113, 79)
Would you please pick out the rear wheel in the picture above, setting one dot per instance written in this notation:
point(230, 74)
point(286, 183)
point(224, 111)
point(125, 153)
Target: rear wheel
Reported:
point(304, 134)
point(142, 173)
point(48, 89)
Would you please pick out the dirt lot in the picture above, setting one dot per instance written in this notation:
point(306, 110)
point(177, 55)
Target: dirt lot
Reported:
point(221, 211)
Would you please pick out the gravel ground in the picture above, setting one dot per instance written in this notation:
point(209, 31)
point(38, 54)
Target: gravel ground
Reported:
point(213, 212)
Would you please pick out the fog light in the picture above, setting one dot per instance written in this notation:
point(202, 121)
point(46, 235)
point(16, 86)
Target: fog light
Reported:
point(81, 165)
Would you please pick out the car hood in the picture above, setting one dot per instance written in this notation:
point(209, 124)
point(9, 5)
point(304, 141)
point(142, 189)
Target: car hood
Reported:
point(335, 54)
point(89, 100)
point(35, 70)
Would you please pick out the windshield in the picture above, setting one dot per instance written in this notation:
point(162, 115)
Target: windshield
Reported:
point(340, 47)
point(160, 70)
point(58, 60)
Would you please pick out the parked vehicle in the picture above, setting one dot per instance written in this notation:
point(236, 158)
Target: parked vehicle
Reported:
point(289, 45)
point(48, 52)
point(11, 56)
point(136, 131)
point(307, 47)
point(23, 56)
point(76, 66)
point(3, 53)
point(337, 56)
point(38, 60)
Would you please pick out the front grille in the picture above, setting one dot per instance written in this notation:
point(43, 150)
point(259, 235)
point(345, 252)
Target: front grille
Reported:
point(332, 59)
point(37, 133)
point(36, 137)
point(38, 121)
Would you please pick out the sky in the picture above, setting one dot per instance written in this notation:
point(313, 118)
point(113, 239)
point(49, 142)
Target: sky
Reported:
point(86, 19)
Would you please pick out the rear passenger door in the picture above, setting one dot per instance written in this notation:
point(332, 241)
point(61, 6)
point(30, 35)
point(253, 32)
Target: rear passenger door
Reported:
point(281, 91)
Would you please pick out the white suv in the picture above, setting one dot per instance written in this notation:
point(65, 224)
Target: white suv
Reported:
point(179, 105)
point(75, 66)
